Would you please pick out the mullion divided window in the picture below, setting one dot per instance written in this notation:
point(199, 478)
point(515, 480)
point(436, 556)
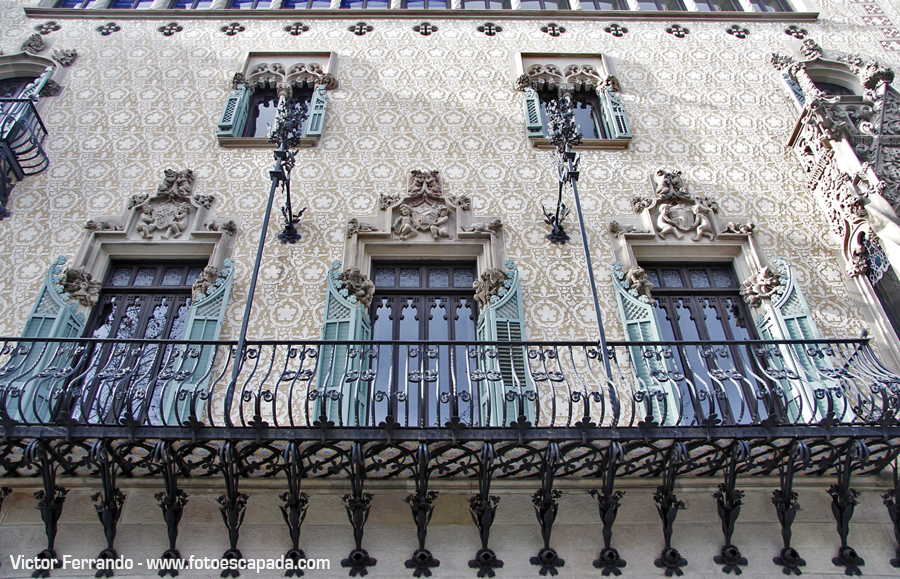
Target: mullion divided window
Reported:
point(603, 5)
point(545, 5)
point(718, 6)
point(305, 4)
point(771, 5)
point(587, 112)
point(79, 4)
point(661, 5)
point(191, 4)
point(249, 4)
point(425, 4)
point(131, 4)
point(485, 5)
point(365, 4)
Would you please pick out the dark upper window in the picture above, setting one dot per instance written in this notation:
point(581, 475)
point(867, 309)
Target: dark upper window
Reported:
point(263, 107)
point(191, 4)
point(74, 3)
point(425, 4)
point(11, 88)
point(661, 5)
point(306, 4)
point(587, 112)
point(771, 5)
point(545, 5)
point(365, 4)
point(131, 4)
point(486, 5)
point(603, 5)
point(831, 89)
point(718, 6)
point(248, 4)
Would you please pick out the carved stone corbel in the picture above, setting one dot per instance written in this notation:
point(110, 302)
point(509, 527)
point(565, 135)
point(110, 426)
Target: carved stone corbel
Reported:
point(79, 284)
point(358, 286)
point(491, 282)
point(638, 283)
point(762, 285)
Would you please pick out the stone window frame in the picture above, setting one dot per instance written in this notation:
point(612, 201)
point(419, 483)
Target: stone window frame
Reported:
point(278, 73)
point(605, 84)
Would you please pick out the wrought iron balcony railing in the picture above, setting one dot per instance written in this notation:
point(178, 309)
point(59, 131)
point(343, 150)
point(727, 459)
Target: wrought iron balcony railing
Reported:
point(22, 135)
point(444, 385)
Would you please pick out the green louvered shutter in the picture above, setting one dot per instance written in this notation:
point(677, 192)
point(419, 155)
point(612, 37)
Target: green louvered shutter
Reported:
point(641, 325)
point(192, 374)
point(234, 113)
point(345, 320)
point(533, 123)
point(787, 317)
point(54, 315)
point(614, 118)
point(507, 371)
point(318, 104)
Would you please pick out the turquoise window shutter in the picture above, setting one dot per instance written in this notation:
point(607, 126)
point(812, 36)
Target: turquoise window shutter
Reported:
point(318, 104)
point(234, 113)
point(54, 315)
point(787, 317)
point(638, 315)
point(614, 118)
point(505, 368)
point(533, 123)
point(342, 392)
point(185, 393)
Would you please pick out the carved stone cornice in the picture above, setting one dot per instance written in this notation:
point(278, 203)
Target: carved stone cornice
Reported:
point(575, 77)
point(276, 75)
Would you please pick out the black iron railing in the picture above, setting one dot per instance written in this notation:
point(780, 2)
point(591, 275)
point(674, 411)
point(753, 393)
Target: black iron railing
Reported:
point(22, 135)
point(433, 385)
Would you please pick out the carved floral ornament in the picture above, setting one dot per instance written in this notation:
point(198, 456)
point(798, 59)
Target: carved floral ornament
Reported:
point(575, 77)
point(673, 210)
point(298, 75)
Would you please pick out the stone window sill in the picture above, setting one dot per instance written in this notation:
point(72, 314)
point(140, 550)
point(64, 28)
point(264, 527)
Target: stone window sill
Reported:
point(543, 144)
point(259, 142)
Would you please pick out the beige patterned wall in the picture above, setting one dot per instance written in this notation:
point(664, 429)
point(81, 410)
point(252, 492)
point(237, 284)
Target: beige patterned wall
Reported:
point(137, 102)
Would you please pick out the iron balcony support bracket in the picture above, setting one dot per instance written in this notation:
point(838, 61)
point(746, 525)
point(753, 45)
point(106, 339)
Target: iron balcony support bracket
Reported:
point(545, 507)
point(108, 502)
point(786, 505)
point(294, 508)
point(608, 500)
point(483, 508)
point(668, 505)
point(49, 501)
point(233, 504)
point(728, 501)
point(843, 501)
point(422, 505)
point(892, 502)
point(358, 504)
point(171, 501)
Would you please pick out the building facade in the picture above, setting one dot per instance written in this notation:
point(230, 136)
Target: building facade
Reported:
point(471, 330)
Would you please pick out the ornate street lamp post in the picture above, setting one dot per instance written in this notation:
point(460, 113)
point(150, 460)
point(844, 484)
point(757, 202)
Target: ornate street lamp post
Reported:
point(286, 132)
point(564, 133)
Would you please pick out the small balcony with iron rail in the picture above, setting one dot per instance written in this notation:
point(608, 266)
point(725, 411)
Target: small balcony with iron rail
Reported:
point(22, 134)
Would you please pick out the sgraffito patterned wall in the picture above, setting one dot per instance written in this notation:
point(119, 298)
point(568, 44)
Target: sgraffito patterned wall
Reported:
point(137, 102)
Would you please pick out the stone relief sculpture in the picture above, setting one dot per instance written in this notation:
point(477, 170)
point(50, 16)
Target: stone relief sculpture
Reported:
point(638, 284)
point(354, 226)
point(229, 227)
point(205, 282)
point(574, 77)
point(403, 225)
point(79, 284)
point(92, 225)
point(66, 56)
point(489, 284)
point(492, 227)
point(170, 218)
point(34, 44)
point(357, 284)
point(739, 228)
point(674, 210)
point(169, 209)
point(762, 285)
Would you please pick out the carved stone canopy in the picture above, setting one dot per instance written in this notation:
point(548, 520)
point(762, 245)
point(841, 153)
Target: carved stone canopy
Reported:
point(574, 77)
point(278, 75)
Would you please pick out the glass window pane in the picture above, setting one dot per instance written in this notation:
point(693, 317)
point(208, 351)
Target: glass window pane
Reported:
point(672, 278)
point(585, 116)
point(439, 277)
point(653, 277)
point(247, 4)
point(145, 276)
point(601, 5)
point(671, 5)
point(699, 278)
point(193, 274)
point(426, 4)
point(771, 6)
point(409, 277)
point(463, 277)
point(121, 276)
point(172, 276)
point(352, 3)
point(722, 278)
point(263, 107)
point(385, 276)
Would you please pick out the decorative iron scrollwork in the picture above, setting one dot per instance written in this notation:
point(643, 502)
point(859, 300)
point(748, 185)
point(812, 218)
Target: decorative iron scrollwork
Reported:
point(108, 503)
point(232, 504)
point(171, 501)
point(422, 505)
point(892, 502)
point(608, 500)
point(728, 501)
point(843, 501)
point(785, 501)
point(483, 508)
point(49, 501)
point(545, 507)
point(358, 504)
point(294, 508)
point(668, 505)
